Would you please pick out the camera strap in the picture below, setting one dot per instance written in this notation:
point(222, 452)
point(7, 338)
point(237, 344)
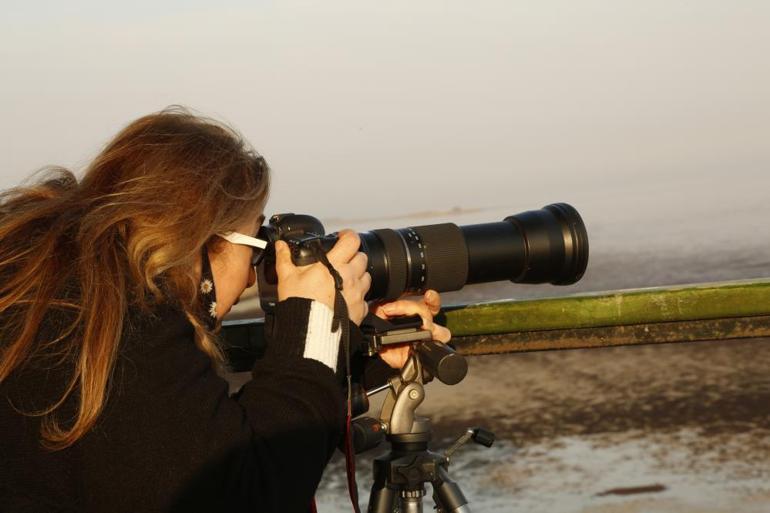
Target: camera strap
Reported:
point(341, 321)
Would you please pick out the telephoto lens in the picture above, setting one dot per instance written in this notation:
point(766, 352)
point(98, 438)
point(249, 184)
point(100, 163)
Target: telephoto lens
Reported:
point(549, 245)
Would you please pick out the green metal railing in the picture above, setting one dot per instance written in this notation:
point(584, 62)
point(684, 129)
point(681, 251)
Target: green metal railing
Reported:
point(713, 311)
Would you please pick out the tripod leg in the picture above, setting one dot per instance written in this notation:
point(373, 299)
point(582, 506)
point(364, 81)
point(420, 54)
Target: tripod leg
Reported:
point(448, 496)
point(381, 499)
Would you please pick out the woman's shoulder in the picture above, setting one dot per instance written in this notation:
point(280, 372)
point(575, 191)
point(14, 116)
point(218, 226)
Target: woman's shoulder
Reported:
point(154, 323)
point(157, 342)
point(158, 349)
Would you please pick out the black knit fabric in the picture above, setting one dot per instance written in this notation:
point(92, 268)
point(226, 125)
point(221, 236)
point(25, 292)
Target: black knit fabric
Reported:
point(170, 438)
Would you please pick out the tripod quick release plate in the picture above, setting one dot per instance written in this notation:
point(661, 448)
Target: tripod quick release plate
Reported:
point(398, 330)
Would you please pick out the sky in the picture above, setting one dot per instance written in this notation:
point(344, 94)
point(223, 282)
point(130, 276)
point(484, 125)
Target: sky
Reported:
point(369, 110)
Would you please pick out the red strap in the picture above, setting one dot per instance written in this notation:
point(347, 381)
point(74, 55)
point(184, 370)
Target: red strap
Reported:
point(350, 460)
point(341, 317)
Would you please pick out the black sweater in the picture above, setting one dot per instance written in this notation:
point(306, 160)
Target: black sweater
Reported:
point(170, 438)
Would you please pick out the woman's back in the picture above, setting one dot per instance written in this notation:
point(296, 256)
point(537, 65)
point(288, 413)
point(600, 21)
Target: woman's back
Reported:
point(169, 437)
point(32, 478)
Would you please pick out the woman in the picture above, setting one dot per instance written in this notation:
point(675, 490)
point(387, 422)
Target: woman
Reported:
point(111, 289)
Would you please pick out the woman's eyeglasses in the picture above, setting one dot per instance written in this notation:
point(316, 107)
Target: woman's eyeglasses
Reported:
point(258, 245)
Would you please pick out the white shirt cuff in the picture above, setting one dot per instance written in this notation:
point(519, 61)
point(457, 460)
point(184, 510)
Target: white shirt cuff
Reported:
point(321, 343)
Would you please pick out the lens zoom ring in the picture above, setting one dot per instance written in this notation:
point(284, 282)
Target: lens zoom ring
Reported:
point(396, 262)
point(446, 256)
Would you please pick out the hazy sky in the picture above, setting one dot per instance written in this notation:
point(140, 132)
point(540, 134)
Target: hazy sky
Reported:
point(368, 108)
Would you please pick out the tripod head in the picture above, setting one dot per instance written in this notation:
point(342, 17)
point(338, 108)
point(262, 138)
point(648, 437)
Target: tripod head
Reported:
point(435, 359)
point(428, 359)
point(400, 475)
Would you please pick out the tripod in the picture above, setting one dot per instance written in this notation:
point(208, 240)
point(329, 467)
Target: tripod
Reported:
point(400, 475)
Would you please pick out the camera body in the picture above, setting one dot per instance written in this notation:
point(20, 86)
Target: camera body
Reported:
point(303, 234)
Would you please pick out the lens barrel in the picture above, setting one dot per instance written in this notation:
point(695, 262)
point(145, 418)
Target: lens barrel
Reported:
point(549, 245)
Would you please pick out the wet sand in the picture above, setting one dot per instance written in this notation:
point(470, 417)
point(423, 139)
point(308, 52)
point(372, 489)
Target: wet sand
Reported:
point(654, 428)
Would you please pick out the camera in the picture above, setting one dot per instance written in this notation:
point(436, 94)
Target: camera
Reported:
point(549, 245)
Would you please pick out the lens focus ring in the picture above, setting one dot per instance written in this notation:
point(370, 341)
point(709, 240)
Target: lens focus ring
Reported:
point(446, 256)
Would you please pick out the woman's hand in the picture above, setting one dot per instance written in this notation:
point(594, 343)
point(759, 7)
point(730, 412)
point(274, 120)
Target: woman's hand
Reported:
point(314, 281)
point(430, 305)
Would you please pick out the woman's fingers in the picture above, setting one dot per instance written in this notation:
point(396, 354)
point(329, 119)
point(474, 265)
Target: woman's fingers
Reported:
point(359, 263)
point(406, 307)
point(367, 281)
point(345, 249)
point(283, 262)
point(433, 300)
point(395, 356)
point(426, 309)
point(441, 333)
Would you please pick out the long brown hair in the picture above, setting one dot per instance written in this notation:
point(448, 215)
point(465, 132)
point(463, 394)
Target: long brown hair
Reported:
point(129, 234)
